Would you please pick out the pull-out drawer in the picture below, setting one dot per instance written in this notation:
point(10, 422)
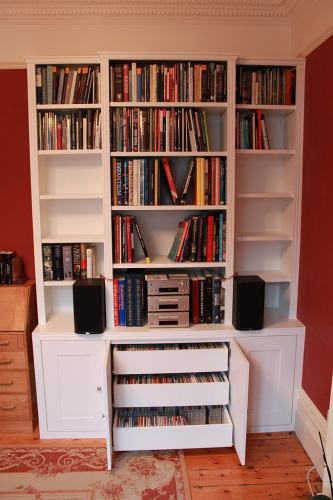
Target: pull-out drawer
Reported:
point(13, 382)
point(8, 341)
point(14, 407)
point(173, 437)
point(12, 360)
point(212, 358)
point(171, 394)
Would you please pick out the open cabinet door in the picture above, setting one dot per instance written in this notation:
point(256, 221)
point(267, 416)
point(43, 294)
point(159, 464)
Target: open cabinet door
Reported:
point(107, 390)
point(239, 388)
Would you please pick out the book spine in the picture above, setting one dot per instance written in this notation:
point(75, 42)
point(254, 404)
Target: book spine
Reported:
point(121, 302)
point(76, 261)
point(171, 184)
point(138, 298)
point(209, 299)
point(67, 262)
point(115, 302)
point(195, 300)
point(83, 262)
point(216, 299)
point(129, 302)
point(57, 262)
point(90, 262)
point(47, 262)
point(187, 182)
point(3, 267)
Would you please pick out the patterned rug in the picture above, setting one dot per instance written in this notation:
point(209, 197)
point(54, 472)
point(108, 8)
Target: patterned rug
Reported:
point(81, 474)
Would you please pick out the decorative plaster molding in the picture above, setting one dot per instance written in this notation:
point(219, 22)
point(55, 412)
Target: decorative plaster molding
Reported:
point(108, 9)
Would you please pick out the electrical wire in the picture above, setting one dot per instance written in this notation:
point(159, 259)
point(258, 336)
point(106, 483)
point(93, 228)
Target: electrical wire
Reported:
point(308, 479)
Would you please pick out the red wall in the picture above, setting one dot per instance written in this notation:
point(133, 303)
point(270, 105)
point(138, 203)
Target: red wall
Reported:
point(15, 196)
point(315, 301)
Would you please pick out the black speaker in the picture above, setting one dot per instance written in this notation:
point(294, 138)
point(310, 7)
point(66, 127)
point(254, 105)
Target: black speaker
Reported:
point(89, 305)
point(248, 303)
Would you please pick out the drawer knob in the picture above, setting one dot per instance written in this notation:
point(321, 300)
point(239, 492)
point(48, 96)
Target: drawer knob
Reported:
point(6, 384)
point(4, 342)
point(5, 361)
point(8, 408)
point(99, 388)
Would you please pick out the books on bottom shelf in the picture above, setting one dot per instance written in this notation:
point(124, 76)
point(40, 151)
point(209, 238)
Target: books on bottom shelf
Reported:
point(173, 378)
point(169, 416)
point(68, 261)
point(200, 238)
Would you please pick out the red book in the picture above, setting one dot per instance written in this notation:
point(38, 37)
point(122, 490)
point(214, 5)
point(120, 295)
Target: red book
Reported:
point(210, 238)
point(115, 302)
point(128, 238)
point(259, 131)
point(288, 85)
point(116, 239)
point(126, 82)
point(195, 300)
point(171, 184)
point(59, 135)
point(182, 241)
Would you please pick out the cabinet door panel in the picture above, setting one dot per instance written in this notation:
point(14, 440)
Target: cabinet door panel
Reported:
point(272, 372)
point(73, 385)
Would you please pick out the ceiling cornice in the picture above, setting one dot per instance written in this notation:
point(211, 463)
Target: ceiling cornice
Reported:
point(96, 10)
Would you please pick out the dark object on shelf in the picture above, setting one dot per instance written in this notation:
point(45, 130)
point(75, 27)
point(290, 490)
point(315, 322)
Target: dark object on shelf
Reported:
point(89, 305)
point(248, 303)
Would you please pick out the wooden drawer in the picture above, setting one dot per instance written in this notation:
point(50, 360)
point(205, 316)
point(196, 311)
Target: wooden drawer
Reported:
point(178, 394)
point(210, 359)
point(13, 382)
point(12, 360)
point(173, 437)
point(14, 407)
point(8, 342)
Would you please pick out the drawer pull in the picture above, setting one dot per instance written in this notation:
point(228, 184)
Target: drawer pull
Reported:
point(6, 384)
point(8, 408)
point(5, 361)
point(4, 342)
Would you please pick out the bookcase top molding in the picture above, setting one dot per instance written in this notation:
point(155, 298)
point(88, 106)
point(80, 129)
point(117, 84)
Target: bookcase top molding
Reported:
point(106, 10)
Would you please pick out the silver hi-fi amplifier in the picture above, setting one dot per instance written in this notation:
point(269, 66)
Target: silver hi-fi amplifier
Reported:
point(163, 284)
point(168, 303)
point(169, 319)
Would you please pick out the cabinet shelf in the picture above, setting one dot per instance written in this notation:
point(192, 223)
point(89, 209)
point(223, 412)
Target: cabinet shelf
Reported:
point(74, 238)
point(278, 108)
point(162, 262)
point(265, 195)
point(219, 106)
point(60, 283)
point(97, 196)
point(68, 152)
point(269, 276)
point(157, 154)
point(59, 107)
point(161, 208)
point(266, 152)
point(263, 237)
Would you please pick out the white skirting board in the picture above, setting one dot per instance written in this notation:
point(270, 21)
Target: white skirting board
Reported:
point(309, 421)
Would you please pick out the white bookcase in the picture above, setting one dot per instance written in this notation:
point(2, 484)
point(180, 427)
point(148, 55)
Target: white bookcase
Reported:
point(71, 196)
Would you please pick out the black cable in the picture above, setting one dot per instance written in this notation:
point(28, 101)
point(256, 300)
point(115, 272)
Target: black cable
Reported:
point(326, 465)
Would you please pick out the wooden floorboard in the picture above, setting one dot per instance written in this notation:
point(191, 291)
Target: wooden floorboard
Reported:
point(276, 467)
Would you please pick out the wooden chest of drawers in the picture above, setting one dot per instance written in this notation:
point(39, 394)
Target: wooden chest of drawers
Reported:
point(18, 410)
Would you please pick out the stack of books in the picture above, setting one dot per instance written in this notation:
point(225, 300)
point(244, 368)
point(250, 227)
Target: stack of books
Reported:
point(68, 261)
point(207, 297)
point(129, 299)
point(200, 238)
point(123, 239)
point(251, 130)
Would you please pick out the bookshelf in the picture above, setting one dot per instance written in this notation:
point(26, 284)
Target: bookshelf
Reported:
point(74, 202)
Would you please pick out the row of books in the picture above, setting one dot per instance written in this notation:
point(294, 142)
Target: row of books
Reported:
point(266, 85)
point(174, 378)
point(137, 181)
point(169, 416)
point(68, 84)
point(207, 297)
point(73, 130)
point(170, 82)
point(170, 347)
point(200, 238)
point(158, 129)
point(68, 261)
point(251, 130)
point(6, 267)
point(123, 241)
point(129, 301)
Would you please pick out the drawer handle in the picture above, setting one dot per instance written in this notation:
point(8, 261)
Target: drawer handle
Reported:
point(4, 342)
point(8, 408)
point(6, 384)
point(5, 361)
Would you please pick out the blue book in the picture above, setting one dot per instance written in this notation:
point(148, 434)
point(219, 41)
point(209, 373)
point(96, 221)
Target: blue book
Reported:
point(138, 87)
point(121, 301)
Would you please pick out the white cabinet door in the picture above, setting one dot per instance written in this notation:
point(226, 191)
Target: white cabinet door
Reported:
point(239, 386)
point(272, 374)
point(73, 386)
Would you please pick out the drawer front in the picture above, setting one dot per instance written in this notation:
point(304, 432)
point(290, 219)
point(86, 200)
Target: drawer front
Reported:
point(180, 394)
point(13, 382)
point(170, 361)
point(173, 437)
point(14, 407)
point(8, 342)
point(12, 361)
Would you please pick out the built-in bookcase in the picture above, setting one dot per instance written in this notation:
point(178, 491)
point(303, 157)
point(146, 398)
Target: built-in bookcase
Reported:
point(268, 182)
point(67, 174)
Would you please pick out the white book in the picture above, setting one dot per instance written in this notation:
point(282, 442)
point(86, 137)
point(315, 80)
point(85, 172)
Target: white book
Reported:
point(90, 262)
point(134, 91)
point(71, 95)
